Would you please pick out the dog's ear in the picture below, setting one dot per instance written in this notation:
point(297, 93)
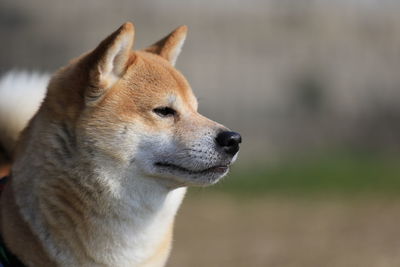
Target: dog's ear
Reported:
point(170, 46)
point(109, 61)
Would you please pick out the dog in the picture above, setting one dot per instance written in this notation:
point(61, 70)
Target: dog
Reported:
point(101, 168)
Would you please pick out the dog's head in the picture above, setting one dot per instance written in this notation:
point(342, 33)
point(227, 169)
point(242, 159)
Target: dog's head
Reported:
point(136, 111)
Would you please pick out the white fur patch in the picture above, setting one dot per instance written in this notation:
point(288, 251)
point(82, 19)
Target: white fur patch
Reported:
point(115, 60)
point(176, 51)
point(21, 94)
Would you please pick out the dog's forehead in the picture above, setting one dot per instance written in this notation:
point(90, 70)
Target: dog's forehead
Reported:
point(155, 77)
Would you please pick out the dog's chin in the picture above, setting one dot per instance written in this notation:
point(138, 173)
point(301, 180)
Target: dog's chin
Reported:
point(186, 177)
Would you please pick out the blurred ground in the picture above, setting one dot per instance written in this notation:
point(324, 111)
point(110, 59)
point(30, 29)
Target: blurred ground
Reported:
point(335, 209)
point(219, 230)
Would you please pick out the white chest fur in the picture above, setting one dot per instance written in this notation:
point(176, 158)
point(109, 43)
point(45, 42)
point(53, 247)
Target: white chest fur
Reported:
point(139, 235)
point(127, 228)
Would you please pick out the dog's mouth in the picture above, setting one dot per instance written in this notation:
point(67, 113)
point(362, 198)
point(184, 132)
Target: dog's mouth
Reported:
point(215, 169)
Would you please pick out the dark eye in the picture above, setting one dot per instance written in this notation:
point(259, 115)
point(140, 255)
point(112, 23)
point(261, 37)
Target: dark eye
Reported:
point(164, 111)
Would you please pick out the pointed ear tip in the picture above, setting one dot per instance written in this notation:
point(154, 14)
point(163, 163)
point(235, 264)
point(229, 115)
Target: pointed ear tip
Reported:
point(182, 29)
point(128, 27)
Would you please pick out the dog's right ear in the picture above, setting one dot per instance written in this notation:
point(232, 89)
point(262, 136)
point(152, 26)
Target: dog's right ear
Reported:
point(109, 61)
point(170, 46)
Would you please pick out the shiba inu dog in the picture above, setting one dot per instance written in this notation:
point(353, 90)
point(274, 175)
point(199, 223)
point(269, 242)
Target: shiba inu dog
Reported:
point(100, 170)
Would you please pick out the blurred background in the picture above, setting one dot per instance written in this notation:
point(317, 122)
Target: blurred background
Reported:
point(313, 86)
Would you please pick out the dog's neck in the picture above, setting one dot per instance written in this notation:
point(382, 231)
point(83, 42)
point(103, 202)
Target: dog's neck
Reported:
point(85, 214)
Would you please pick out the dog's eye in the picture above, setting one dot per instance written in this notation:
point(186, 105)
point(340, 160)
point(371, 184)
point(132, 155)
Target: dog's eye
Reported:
point(164, 111)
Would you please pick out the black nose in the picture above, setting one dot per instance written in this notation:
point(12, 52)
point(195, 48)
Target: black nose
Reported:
point(229, 141)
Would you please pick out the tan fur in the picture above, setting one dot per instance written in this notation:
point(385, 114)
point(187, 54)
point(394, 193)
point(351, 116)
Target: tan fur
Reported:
point(82, 180)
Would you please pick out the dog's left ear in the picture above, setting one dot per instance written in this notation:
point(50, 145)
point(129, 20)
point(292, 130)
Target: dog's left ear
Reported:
point(170, 46)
